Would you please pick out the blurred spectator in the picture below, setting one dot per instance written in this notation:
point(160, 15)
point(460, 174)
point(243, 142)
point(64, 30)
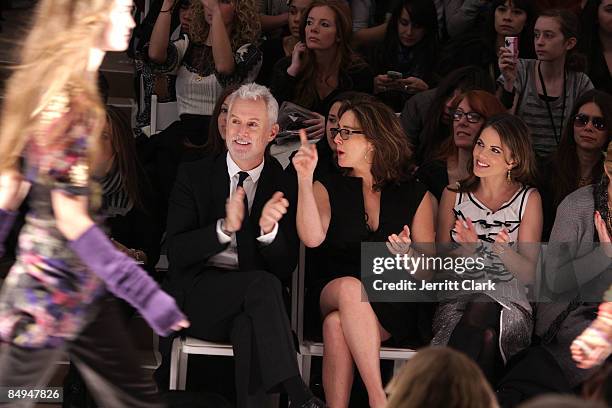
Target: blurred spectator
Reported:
point(579, 160)
point(596, 42)
point(426, 117)
point(481, 45)
point(273, 49)
point(218, 51)
point(543, 92)
point(322, 66)
point(404, 62)
point(440, 377)
point(560, 401)
point(448, 164)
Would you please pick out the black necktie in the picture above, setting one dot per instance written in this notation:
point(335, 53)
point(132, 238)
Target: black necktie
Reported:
point(244, 236)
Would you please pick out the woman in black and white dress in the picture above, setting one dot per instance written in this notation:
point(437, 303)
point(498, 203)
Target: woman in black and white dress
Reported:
point(495, 207)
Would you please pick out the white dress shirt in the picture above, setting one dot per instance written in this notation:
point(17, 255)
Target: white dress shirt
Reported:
point(228, 258)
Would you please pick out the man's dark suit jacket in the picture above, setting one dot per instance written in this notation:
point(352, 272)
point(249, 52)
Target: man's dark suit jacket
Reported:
point(198, 201)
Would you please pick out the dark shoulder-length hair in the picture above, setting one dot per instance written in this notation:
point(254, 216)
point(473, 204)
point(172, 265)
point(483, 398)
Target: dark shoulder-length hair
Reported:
point(434, 131)
point(526, 46)
point(422, 14)
point(565, 162)
point(514, 134)
point(345, 60)
point(392, 153)
point(133, 176)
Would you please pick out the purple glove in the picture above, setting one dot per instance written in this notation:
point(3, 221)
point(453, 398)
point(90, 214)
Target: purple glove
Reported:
point(7, 219)
point(125, 279)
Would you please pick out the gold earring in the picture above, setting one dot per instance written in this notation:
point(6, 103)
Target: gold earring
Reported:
point(509, 176)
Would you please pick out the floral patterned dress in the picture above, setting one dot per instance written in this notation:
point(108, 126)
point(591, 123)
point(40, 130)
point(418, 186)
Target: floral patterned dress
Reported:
point(49, 295)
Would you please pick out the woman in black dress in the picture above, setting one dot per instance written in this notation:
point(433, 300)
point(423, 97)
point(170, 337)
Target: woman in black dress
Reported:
point(375, 200)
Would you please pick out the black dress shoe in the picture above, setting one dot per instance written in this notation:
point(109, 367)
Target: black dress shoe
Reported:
point(314, 402)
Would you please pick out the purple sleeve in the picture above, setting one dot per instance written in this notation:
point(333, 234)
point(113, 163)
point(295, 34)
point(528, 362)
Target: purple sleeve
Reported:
point(125, 279)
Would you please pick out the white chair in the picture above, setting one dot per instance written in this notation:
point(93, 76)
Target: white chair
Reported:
point(183, 346)
point(311, 348)
point(162, 114)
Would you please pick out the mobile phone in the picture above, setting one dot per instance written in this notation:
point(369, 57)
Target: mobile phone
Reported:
point(512, 43)
point(394, 75)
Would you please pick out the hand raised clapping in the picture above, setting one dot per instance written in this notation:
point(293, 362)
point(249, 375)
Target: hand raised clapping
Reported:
point(273, 211)
point(234, 211)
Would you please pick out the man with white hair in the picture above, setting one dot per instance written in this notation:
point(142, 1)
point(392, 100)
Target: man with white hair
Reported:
point(232, 245)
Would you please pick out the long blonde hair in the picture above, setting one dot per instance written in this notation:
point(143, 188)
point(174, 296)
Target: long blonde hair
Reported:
point(53, 61)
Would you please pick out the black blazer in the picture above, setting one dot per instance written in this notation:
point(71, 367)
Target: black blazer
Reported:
point(198, 201)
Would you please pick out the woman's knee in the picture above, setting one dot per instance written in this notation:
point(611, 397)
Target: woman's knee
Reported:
point(332, 327)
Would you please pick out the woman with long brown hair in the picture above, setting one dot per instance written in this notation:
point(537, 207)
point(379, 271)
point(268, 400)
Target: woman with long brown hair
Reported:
point(375, 200)
point(54, 298)
point(495, 206)
point(322, 63)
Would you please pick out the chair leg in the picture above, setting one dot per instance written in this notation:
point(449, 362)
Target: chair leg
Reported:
point(175, 363)
point(306, 360)
point(397, 366)
point(182, 378)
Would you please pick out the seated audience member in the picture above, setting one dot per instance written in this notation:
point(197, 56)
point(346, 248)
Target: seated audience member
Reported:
point(324, 65)
point(583, 218)
point(596, 42)
point(542, 92)
point(460, 15)
point(494, 205)
point(129, 202)
point(275, 48)
point(597, 337)
point(153, 82)
point(426, 117)
point(215, 144)
point(440, 377)
point(448, 165)
point(218, 51)
point(375, 200)
point(579, 160)
point(481, 45)
point(409, 49)
point(232, 245)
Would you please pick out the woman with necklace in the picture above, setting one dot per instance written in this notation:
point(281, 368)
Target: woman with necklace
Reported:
point(542, 92)
point(579, 160)
point(496, 208)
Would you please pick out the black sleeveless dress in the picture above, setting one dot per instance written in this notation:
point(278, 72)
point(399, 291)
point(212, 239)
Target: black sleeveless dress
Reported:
point(408, 323)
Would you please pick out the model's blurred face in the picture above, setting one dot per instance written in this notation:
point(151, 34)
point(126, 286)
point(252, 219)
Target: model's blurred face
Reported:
point(116, 36)
point(185, 16)
point(509, 20)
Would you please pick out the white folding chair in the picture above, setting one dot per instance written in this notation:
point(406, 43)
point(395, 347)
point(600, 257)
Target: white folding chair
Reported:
point(162, 114)
point(310, 348)
point(183, 346)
